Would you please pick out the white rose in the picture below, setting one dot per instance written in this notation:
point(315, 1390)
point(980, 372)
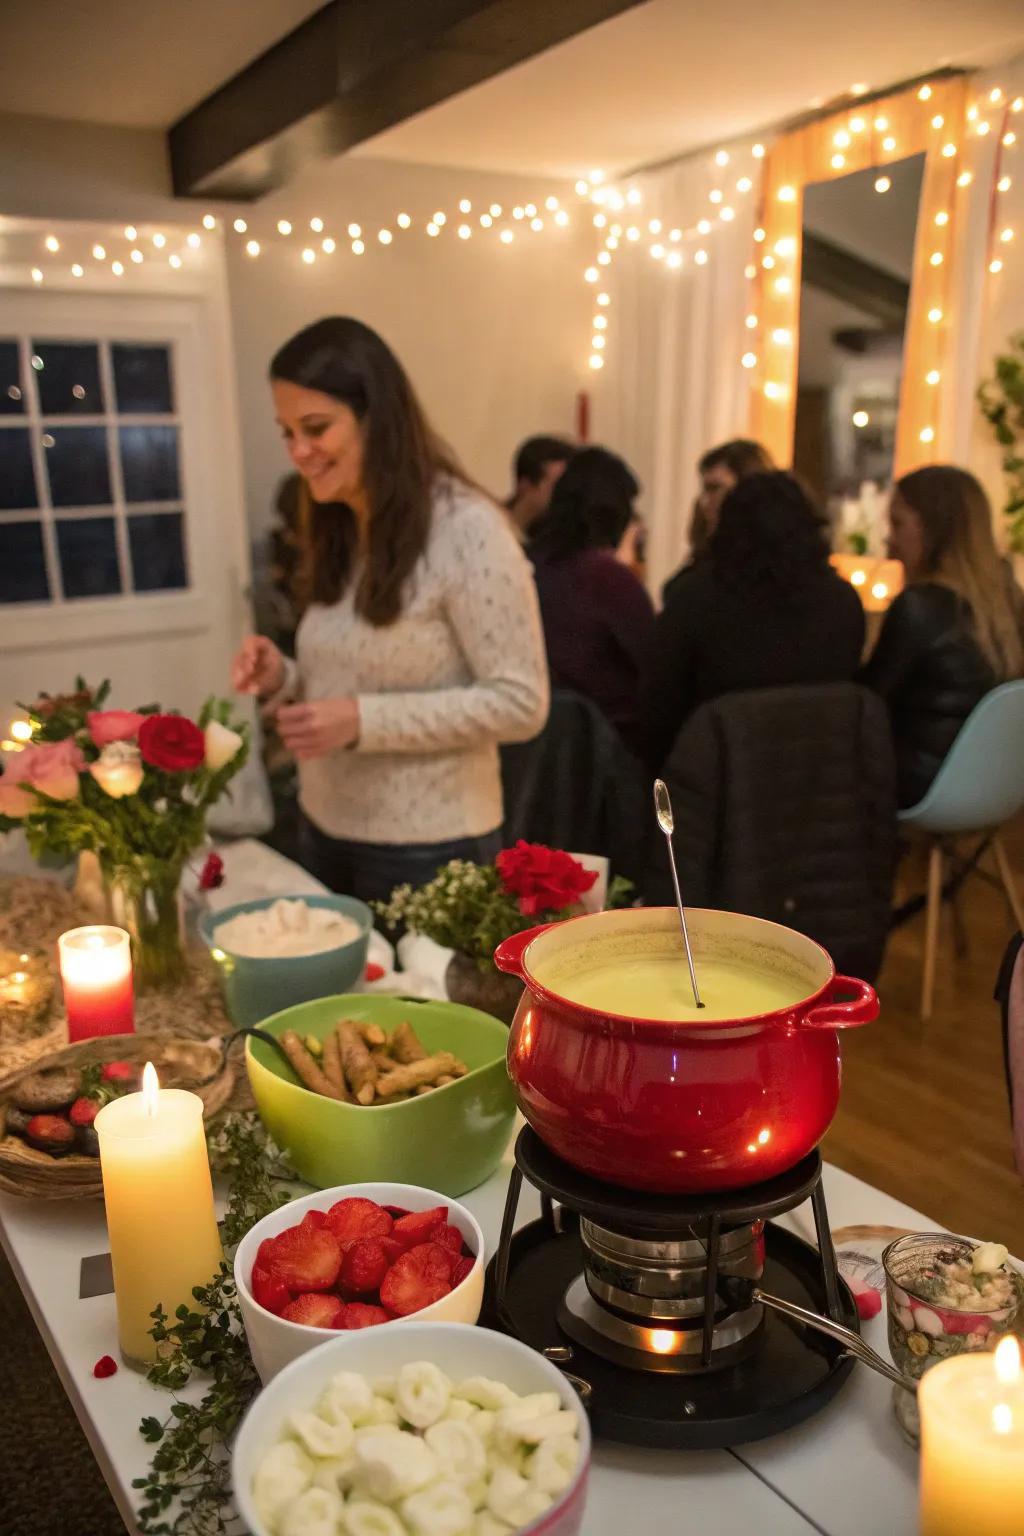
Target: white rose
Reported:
point(221, 745)
point(118, 770)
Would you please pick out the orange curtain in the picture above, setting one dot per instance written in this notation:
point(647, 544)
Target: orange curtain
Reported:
point(929, 120)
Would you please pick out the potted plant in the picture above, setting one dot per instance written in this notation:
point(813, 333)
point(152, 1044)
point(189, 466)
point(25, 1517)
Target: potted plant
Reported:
point(133, 787)
point(471, 908)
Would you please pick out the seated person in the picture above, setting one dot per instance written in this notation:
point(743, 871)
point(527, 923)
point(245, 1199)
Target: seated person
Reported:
point(538, 463)
point(763, 609)
point(720, 470)
point(957, 629)
point(597, 615)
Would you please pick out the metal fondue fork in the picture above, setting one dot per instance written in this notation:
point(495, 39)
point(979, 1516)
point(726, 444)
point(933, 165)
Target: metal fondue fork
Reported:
point(666, 821)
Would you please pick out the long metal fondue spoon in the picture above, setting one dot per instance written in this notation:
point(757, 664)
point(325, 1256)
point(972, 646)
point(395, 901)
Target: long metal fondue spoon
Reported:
point(666, 821)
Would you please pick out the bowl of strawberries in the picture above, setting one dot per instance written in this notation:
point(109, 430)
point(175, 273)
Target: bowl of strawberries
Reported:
point(358, 1256)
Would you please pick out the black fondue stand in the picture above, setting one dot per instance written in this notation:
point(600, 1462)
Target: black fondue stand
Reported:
point(699, 1395)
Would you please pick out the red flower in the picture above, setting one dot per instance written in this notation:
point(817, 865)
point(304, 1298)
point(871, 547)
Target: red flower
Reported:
point(106, 1365)
point(171, 742)
point(544, 879)
point(211, 876)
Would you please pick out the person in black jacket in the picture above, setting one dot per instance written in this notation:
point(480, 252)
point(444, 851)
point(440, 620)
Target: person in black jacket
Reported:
point(957, 629)
point(720, 469)
point(764, 609)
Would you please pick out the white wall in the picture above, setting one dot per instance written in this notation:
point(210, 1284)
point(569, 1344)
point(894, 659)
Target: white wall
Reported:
point(59, 170)
point(495, 337)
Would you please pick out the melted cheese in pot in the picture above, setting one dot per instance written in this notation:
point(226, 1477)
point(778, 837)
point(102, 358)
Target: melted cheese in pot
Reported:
point(658, 987)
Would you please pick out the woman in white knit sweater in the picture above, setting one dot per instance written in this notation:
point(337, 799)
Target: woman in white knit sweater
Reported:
point(420, 648)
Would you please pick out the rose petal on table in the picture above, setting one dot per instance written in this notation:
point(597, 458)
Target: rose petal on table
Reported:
point(106, 1365)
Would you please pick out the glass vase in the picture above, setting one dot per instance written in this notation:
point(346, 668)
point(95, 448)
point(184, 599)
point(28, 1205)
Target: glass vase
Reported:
point(150, 908)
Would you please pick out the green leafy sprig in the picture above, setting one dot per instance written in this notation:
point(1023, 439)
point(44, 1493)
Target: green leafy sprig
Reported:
point(187, 1490)
point(1001, 399)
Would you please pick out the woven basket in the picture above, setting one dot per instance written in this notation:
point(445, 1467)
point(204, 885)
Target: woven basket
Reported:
point(193, 1064)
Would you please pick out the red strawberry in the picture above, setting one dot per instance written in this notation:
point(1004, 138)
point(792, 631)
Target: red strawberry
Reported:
point(315, 1219)
point(264, 1253)
point(397, 1211)
point(420, 1226)
point(314, 1311)
point(461, 1270)
point(359, 1314)
point(50, 1133)
point(352, 1219)
point(419, 1278)
point(450, 1237)
point(373, 971)
point(120, 1072)
point(106, 1365)
point(392, 1247)
point(305, 1259)
point(268, 1290)
point(364, 1265)
point(83, 1111)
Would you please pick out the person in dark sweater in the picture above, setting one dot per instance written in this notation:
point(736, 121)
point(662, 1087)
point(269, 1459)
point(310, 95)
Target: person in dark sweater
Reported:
point(596, 613)
point(762, 609)
point(720, 469)
point(956, 630)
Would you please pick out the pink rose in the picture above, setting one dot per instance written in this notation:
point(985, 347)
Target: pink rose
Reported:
point(107, 725)
point(14, 801)
point(51, 769)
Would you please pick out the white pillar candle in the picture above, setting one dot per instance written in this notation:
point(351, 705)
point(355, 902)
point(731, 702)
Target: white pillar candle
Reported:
point(159, 1201)
point(972, 1444)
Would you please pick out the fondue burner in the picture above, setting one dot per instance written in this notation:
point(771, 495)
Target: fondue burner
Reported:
point(646, 1301)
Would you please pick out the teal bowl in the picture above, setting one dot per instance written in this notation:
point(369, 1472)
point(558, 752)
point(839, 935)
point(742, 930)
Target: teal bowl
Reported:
point(450, 1140)
point(255, 988)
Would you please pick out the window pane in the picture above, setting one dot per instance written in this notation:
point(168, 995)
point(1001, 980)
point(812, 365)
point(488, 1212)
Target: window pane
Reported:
point(142, 376)
point(68, 378)
point(17, 477)
point(76, 461)
point(157, 542)
point(22, 564)
point(149, 462)
point(12, 392)
point(88, 557)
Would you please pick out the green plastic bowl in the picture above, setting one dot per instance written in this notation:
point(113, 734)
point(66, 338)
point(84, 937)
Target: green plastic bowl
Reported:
point(450, 1140)
point(256, 986)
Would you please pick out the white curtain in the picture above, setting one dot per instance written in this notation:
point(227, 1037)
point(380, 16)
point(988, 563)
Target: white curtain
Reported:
point(674, 384)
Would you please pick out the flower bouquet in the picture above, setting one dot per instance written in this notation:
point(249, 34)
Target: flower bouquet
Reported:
point(132, 787)
point(471, 908)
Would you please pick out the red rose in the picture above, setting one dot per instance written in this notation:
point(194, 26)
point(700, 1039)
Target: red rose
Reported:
point(544, 879)
point(211, 876)
point(171, 742)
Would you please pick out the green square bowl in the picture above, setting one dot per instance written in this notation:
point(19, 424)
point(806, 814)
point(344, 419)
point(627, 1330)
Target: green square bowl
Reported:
point(450, 1140)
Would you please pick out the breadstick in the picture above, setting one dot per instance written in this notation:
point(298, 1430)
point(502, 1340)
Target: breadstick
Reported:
point(424, 1088)
point(373, 1035)
point(383, 1061)
point(444, 1080)
point(359, 1067)
point(331, 1065)
point(412, 1074)
point(406, 1046)
point(306, 1067)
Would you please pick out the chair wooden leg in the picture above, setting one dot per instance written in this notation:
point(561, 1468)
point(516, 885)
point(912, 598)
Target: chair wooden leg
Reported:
point(931, 932)
point(1009, 884)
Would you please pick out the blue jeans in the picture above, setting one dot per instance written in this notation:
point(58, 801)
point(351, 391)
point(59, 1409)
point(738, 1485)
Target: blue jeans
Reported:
point(372, 870)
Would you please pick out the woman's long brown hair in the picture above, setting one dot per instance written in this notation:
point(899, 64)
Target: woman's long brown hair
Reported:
point(960, 553)
point(402, 460)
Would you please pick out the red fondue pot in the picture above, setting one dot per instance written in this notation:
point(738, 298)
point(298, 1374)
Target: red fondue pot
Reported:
point(678, 1106)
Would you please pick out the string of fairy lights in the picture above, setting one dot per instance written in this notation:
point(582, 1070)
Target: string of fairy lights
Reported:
point(614, 213)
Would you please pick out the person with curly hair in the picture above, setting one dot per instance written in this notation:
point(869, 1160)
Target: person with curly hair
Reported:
point(763, 609)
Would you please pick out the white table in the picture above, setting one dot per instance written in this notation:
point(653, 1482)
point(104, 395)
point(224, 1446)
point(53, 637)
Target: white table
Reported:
point(846, 1472)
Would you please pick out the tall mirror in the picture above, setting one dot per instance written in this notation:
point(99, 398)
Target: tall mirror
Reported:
point(858, 251)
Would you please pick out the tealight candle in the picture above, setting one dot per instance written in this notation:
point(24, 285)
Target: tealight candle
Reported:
point(96, 971)
point(972, 1444)
point(159, 1201)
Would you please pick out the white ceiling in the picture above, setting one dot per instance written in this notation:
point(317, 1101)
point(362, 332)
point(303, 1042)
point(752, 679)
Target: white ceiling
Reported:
point(131, 63)
point(674, 75)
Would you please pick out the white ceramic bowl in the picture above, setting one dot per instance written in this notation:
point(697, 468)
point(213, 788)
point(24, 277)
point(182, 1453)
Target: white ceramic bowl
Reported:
point(458, 1350)
point(274, 1342)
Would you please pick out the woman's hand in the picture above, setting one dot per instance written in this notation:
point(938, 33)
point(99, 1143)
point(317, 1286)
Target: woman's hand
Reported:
point(321, 726)
point(258, 667)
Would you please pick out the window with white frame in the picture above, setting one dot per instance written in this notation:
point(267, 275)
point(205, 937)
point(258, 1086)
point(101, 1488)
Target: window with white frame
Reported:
point(91, 493)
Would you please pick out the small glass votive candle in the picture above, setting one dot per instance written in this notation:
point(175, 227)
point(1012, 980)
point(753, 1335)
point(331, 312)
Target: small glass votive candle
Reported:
point(937, 1307)
point(96, 973)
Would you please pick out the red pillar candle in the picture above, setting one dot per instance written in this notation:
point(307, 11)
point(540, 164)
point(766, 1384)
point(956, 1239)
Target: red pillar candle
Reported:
point(96, 971)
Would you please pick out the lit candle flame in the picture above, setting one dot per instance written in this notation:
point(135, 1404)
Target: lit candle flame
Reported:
point(150, 1089)
point(1007, 1358)
point(1002, 1419)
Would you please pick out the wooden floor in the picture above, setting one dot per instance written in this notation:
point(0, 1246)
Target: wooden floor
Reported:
point(924, 1112)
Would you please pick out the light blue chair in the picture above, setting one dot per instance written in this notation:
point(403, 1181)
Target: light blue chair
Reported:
point(978, 789)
